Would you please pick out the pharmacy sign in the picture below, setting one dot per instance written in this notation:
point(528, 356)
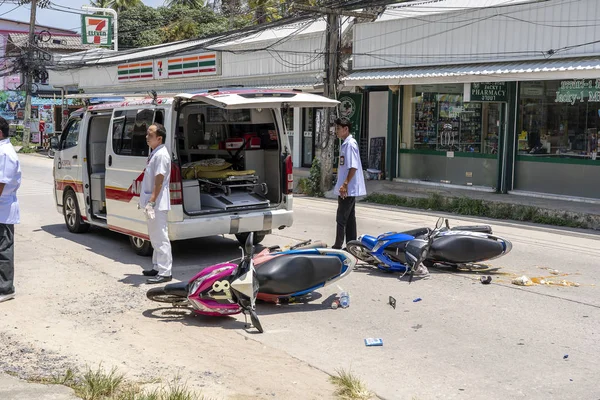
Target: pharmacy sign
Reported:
point(96, 29)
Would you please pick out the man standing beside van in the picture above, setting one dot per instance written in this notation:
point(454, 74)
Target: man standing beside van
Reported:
point(155, 200)
point(10, 181)
point(350, 183)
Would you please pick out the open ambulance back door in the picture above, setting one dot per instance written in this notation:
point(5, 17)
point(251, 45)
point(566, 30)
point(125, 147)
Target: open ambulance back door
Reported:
point(239, 98)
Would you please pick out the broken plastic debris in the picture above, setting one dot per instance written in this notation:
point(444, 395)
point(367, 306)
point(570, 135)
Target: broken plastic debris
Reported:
point(417, 299)
point(373, 342)
point(565, 356)
point(522, 281)
point(392, 302)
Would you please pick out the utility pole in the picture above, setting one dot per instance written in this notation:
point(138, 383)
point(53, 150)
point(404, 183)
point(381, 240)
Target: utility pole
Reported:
point(330, 82)
point(28, 75)
point(327, 141)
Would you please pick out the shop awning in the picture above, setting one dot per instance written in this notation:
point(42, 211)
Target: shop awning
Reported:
point(565, 68)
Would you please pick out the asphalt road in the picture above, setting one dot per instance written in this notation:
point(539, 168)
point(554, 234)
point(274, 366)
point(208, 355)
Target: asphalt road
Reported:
point(81, 299)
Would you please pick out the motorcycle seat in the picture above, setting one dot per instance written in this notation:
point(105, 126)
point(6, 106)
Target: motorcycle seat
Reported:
point(294, 273)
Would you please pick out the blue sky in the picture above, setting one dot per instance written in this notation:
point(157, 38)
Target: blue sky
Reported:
point(66, 19)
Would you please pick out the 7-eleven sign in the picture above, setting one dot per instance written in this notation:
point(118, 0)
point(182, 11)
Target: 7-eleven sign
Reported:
point(96, 29)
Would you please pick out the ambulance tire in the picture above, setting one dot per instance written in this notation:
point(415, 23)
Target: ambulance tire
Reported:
point(258, 237)
point(140, 246)
point(72, 215)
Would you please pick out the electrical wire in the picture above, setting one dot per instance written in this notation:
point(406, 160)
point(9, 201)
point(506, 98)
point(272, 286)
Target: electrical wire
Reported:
point(9, 11)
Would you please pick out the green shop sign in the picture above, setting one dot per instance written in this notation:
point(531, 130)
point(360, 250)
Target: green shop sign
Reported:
point(489, 91)
point(578, 90)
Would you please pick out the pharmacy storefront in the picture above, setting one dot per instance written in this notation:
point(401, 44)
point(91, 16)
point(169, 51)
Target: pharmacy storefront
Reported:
point(557, 139)
point(450, 133)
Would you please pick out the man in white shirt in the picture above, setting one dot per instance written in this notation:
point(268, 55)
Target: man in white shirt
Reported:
point(155, 200)
point(350, 183)
point(10, 181)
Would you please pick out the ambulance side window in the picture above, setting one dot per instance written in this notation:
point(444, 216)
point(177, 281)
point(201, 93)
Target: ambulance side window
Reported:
point(70, 136)
point(129, 132)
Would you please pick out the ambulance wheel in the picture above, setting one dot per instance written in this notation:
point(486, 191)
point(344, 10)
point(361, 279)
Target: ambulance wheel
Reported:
point(72, 215)
point(258, 237)
point(140, 246)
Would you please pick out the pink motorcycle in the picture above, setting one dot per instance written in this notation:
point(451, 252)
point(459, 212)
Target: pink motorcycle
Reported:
point(227, 288)
point(223, 289)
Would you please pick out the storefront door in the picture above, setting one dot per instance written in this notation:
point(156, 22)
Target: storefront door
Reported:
point(308, 124)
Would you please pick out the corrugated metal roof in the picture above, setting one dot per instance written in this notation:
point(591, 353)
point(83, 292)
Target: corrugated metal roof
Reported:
point(428, 7)
point(306, 82)
point(56, 42)
point(487, 69)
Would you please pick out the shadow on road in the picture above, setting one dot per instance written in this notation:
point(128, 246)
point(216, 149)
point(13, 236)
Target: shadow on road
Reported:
point(187, 317)
point(189, 256)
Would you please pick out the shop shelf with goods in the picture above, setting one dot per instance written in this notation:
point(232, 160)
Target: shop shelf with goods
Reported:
point(425, 130)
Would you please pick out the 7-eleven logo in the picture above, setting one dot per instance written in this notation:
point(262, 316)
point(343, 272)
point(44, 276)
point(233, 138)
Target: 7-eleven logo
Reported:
point(97, 30)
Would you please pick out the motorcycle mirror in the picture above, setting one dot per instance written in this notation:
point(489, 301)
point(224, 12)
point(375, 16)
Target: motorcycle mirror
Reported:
point(255, 321)
point(439, 223)
point(249, 247)
point(54, 142)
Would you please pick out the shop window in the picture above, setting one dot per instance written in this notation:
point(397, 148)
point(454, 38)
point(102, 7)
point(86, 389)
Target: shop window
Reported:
point(559, 118)
point(442, 121)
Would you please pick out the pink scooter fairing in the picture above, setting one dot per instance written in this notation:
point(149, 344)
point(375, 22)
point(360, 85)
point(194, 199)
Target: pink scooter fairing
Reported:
point(207, 293)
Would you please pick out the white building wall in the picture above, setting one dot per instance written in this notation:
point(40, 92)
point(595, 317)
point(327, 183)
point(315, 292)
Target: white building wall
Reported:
point(502, 33)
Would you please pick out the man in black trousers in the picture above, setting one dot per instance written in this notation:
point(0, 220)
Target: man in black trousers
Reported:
point(10, 181)
point(350, 183)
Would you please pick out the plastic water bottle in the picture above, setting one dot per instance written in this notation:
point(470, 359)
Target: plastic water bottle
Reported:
point(344, 299)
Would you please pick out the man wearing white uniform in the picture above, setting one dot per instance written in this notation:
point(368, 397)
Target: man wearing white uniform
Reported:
point(10, 181)
point(350, 183)
point(155, 200)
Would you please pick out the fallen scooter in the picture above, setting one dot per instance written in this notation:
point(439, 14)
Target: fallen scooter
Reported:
point(451, 246)
point(279, 276)
point(223, 289)
point(299, 271)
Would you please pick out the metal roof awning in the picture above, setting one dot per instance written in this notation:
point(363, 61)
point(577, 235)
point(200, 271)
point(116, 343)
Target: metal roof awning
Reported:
point(566, 68)
point(162, 87)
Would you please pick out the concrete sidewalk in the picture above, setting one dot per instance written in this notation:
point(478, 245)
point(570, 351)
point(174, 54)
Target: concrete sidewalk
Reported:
point(584, 210)
point(12, 388)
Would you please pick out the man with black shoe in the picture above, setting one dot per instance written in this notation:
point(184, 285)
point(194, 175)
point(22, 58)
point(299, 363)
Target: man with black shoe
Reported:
point(350, 183)
point(10, 181)
point(155, 200)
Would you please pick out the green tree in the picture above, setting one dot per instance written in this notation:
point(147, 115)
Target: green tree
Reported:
point(187, 3)
point(122, 5)
point(101, 3)
point(140, 26)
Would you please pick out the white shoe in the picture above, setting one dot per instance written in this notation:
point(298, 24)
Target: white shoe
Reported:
point(6, 297)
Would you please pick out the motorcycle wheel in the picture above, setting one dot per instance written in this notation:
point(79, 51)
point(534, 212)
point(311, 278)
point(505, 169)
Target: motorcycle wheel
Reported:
point(159, 295)
point(360, 251)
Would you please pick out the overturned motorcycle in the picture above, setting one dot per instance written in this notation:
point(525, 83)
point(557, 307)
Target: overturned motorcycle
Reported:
point(277, 276)
point(399, 251)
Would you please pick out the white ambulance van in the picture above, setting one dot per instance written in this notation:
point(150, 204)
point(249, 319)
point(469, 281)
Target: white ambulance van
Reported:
point(231, 163)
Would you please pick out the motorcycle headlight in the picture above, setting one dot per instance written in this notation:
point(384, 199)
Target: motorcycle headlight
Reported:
point(198, 282)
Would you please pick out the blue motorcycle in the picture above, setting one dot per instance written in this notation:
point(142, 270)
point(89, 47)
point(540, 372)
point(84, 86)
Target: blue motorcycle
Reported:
point(443, 245)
